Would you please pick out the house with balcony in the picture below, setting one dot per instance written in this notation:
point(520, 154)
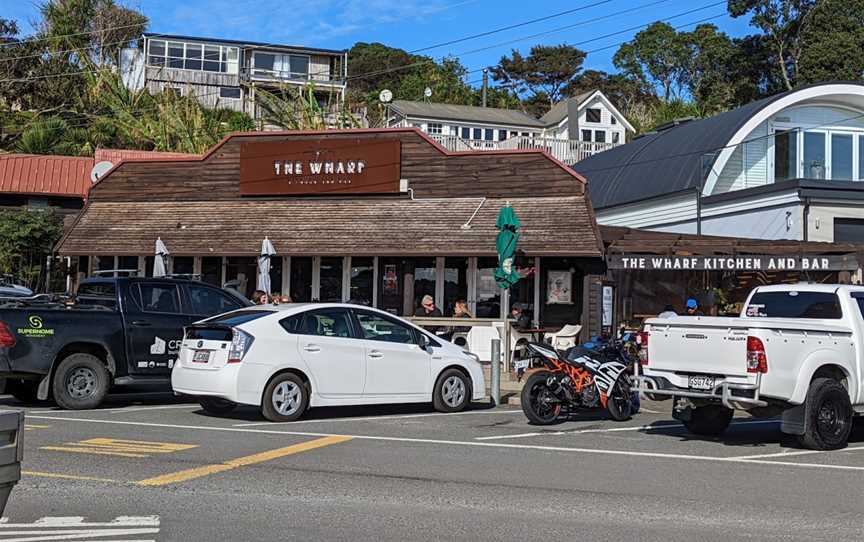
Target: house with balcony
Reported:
point(790, 166)
point(570, 131)
point(226, 73)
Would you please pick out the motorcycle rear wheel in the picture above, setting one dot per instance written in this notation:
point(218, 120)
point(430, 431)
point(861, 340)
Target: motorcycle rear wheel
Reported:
point(538, 402)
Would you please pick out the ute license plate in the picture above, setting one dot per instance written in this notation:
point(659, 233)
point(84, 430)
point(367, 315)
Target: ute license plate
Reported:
point(201, 356)
point(521, 364)
point(702, 383)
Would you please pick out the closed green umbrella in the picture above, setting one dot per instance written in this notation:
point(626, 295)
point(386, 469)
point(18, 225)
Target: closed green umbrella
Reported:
point(508, 224)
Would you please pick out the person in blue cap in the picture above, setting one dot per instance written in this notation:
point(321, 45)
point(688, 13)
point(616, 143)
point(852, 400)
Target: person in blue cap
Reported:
point(693, 308)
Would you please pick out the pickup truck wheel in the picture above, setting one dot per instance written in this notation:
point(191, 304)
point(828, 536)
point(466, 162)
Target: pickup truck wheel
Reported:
point(709, 420)
point(215, 405)
point(23, 390)
point(81, 381)
point(827, 416)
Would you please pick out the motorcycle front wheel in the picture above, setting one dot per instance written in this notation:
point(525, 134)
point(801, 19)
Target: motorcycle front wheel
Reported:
point(620, 401)
point(539, 404)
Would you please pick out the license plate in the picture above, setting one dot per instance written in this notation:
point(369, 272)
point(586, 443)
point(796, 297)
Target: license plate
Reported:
point(521, 364)
point(201, 356)
point(705, 383)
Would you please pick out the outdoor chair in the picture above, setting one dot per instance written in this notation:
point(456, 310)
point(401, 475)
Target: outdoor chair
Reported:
point(565, 338)
point(480, 341)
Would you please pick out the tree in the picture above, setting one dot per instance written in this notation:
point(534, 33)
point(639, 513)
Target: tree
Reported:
point(26, 239)
point(547, 71)
point(707, 68)
point(620, 89)
point(657, 55)
point(783, 22)
point(833, 43)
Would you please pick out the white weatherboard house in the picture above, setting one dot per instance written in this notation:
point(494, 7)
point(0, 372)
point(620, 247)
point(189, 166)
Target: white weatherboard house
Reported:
point(572, 130)
point(790, 166)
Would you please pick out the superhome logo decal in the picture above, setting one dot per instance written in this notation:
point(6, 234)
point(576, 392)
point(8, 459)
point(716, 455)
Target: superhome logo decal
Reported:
point(36, 328)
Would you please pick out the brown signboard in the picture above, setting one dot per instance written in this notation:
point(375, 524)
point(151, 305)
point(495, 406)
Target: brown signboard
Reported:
point(653, 262)
point(319, 167)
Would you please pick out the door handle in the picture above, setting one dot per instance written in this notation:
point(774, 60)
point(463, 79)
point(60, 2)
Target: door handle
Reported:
point(140, 323)
point(375, 354)
point(312, 348)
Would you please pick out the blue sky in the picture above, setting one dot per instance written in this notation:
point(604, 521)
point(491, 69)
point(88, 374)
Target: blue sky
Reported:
point(416, 24)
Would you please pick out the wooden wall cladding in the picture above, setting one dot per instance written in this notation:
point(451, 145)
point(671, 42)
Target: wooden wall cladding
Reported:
point(429, 171)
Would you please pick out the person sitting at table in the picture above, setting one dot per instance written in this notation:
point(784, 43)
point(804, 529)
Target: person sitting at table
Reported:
point(523, 320)
point(460, 310)
point(427, 308)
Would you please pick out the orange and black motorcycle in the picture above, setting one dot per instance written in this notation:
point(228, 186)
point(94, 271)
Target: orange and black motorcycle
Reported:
point(577, 379)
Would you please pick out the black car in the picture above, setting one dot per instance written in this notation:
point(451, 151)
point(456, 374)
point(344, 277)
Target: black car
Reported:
point(114, 332)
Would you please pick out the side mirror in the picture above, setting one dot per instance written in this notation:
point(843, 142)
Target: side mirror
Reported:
point(424, 342)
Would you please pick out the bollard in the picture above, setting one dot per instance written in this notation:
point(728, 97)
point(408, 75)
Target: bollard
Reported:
point(495, 390)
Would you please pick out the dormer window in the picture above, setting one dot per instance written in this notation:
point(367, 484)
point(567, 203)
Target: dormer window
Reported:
point(593, 115)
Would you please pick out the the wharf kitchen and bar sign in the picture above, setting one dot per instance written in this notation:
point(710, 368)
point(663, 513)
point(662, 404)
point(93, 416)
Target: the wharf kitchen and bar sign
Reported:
point(653, 262)
point(320, 167)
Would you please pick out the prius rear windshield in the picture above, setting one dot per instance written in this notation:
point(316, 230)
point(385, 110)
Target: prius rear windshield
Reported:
point(795, 304)
point(235, 318)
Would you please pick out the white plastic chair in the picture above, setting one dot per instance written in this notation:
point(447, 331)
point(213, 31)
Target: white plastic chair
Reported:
point(480, 341)
point(565, 338)
point(517, 340)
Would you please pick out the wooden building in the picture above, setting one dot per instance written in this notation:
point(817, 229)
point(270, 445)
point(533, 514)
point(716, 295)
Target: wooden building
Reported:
point(382, 217)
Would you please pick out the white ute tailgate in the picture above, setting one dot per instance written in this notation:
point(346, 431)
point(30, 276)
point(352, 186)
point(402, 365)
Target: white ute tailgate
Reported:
point(700, 344)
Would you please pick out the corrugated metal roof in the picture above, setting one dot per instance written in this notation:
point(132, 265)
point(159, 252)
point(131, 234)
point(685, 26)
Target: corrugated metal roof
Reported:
point(559, 110)
point(470, 113)
point(48, 175)
point(244, 43)
point(663, 162)
point(115, 156)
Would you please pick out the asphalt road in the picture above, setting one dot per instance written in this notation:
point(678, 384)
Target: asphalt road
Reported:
point(407, 473)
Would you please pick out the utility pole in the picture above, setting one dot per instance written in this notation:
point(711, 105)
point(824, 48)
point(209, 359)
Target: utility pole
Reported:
point(485, 84)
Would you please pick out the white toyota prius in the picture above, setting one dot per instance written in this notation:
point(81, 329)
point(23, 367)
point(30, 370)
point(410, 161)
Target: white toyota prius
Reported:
point(288, 358)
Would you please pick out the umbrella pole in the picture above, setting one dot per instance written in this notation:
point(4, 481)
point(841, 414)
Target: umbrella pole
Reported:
point(505, 304)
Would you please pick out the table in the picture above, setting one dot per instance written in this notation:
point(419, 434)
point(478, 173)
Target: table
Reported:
point(538, 332)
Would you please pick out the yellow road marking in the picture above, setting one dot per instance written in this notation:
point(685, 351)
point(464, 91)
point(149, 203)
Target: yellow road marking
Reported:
point(32, 426)
point(206, 470)
point(65, 476)
point(120, 447)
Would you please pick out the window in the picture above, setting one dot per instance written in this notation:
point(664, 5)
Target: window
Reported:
point(376, 327)
point(362, 279)
point(292, 323)
point(814, 155)
point(488, 293)
point(613, 120)
point(211, 270)
point(586, 135)
point(229, 92)
point(301, 279)
point(488, 134)
point(326, 323)
point(331, 280)
point(502, 135)
point(861, 157)
point(785, 155)
point(841, 157)
point(478, 133)
point(183, 265)
point(281, 66)
point(466, 133)
point(155, 297)
point(157, 53)
point(795, 304)
point(424, 280)
point(175, 54)
point(600, 136)
point(616, 137)
point(434, 128)
point(237, 318)
point(592, 115)
point(193, 56)
point(97, 293)
point(209, 301)
point(848, 230)
point(514, 134)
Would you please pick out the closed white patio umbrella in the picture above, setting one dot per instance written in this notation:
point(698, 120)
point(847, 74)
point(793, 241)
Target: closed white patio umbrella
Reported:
point(267, 252)
point(160, 262)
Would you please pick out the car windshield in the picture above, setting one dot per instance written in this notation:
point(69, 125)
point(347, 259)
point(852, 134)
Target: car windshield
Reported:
point(235, 318)
point(795, 304)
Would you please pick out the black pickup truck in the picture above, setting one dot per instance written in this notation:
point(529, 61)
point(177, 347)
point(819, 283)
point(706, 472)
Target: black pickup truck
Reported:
point(114, 332)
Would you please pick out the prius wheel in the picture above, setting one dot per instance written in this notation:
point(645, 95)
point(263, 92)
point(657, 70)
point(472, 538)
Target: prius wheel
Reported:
point(285, 398)
point(216, 405)
point(452, 391)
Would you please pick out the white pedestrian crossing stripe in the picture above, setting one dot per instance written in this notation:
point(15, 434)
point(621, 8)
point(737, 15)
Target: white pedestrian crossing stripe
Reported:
point(76, 528)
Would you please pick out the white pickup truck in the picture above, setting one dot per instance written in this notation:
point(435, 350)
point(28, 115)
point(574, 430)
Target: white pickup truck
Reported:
point(797, 351)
